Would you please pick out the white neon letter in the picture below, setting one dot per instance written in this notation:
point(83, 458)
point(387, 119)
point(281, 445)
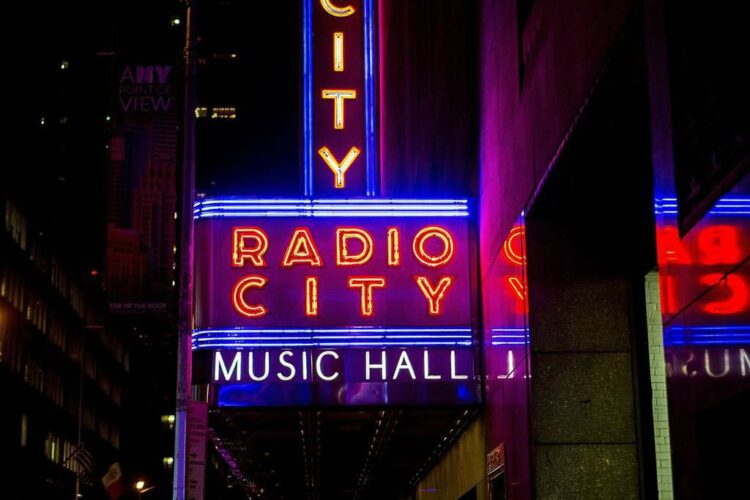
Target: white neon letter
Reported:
point(283, 361)
point(369, 366)
point(319, 368)
point(251, 370)
point(454, 375)
point(220, 367)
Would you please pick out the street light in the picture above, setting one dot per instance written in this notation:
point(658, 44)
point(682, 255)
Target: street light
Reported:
point(140, 487)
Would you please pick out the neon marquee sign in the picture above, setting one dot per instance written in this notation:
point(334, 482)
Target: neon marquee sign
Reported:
point(338, 297)
point(348, 292)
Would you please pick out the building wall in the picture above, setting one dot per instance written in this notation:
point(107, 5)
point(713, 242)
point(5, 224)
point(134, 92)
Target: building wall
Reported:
point(524, 120)
point(48, 335)
point(428, 98)
point(460, 470)
point(543, 64)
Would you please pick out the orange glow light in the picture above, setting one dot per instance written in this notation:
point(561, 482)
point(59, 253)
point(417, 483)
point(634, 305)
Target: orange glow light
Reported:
point(301, 250)
point(339, 169)
point(311, 296)
point(366, 285)
point(337, 11)
point(434, 295)
point(238, 296)
point(343, 257)
point(338, 51)
point(254, 253)
point(421, 253)
point(515, 256)
point(394, 252)
point(338, 96)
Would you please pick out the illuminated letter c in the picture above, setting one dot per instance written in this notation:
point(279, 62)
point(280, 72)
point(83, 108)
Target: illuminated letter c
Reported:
point(337, 11)
point(238, 296)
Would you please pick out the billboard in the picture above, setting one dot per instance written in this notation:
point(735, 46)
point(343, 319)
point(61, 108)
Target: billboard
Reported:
point(365, 301)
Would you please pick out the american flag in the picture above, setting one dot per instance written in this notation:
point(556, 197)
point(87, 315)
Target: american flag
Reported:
point(85, 460)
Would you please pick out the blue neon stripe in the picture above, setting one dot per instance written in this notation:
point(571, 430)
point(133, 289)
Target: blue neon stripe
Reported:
point(233, 208)
point(307, 83)
point(241, 345)
point(329, 208)
point(370, 139)
point(332, 201)
point(725, 206)
point(717, 335)
point(363, 329)
point(714, 342)
point(727, 328)
point(234, 215)
point(331, 337)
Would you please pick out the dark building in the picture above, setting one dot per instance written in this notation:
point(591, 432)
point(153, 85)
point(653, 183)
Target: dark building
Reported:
point(65, 360)
point(60, 367)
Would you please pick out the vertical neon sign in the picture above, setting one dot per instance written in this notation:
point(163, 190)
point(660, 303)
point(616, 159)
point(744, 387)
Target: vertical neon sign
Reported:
point(339, 99)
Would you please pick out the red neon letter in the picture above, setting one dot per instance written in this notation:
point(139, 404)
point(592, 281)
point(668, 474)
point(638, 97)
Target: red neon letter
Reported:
point(668, 295)
point(434, 295)
point(394, 251)
point(238, 296)
point(311, 296)
point(240, 252)
point(719, 245)
point(301, 250)
point(366, 284)
point(421, 253)
point(343, 257)
point(515, 256)
point(519, 291)
point(737, 300)
point(672, 247)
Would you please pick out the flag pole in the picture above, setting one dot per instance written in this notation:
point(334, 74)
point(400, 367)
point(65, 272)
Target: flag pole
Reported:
point(80, 410)
point(185, 304)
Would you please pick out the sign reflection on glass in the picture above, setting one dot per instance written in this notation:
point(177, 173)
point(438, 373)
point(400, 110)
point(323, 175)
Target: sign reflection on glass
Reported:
point(713, 363)
point(705, 259)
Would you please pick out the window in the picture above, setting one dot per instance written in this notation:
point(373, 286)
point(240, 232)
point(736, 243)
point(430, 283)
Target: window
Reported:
point(24, 429)
point(52, 447)
point(227, 113)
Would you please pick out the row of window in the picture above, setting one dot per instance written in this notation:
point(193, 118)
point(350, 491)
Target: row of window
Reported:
point(13, 289)
point(17, 226)
point(216, 113)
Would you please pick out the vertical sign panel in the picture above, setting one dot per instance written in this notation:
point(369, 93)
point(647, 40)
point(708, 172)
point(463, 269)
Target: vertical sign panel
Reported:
point(339, 91)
